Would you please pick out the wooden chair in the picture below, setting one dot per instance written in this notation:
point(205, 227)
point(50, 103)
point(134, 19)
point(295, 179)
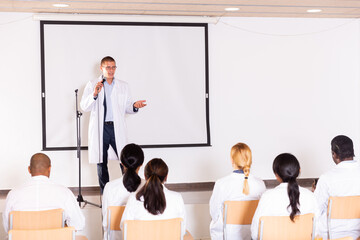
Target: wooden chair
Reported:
point(239, 213)
point(168, 229)
point(282, 228)
point(342, 208)
point(38, 220)
point(26, 220)
point(66, 233)
point(114, 214)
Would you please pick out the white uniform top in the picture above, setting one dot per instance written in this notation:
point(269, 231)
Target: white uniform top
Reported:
point(175, 208)
point(342, 180)
point(121, 105)
point(40, 193)
point(115, 194)
point(231, 188)
point(275, 202)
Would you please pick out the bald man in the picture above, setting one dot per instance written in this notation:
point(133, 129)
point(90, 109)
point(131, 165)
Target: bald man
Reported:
point(39, 193)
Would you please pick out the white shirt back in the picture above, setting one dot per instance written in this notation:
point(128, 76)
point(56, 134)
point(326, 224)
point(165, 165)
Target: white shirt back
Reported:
point(342, 180)
point(275, 202)
point(39, 193)
point(175, 208)
point(115, 194)
point(230, 188)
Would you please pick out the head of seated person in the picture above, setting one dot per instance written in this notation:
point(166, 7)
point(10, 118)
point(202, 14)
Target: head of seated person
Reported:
point(241, 159)
point(286, 169)
point(156, 172)
point(132, 158)
point(40, 165)
point(342, 149)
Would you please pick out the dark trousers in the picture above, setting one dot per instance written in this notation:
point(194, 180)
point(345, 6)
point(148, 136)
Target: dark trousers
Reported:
point(102, 168)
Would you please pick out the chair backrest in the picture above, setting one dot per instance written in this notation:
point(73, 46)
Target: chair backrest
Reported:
point(282, 228)
point(344, 238)
point(239, 213)
point(114, 214)
point(26, 220)
point(67, 233)
point(168, 229)
point(347, 207)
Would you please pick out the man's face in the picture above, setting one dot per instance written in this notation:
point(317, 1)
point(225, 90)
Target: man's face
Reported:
point(108, 69)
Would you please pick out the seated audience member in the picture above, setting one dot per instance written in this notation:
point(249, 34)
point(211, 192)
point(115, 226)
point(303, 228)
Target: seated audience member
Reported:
point(154, 201)
point(287, 199)
point(117, 192)
point(40, 193)
point(239, 185)
point(342, 180)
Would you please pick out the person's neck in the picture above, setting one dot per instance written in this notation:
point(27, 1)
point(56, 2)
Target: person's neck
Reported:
point(109, 80)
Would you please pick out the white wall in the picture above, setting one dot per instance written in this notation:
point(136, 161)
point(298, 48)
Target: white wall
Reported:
point(276, 93)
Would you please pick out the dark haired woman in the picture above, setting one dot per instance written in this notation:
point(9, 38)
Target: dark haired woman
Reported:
point(287, 199)
point(153, 201)
point(117, 192)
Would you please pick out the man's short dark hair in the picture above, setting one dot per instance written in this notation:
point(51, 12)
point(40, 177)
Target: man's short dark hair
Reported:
point(343, 147)
point(106, 59)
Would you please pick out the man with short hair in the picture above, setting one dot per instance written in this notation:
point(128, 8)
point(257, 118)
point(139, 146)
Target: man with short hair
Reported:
point(39, 193)
point(342, 180)
point(108, 99)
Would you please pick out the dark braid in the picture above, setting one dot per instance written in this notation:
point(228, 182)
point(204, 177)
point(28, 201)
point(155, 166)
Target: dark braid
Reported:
point(287, 167)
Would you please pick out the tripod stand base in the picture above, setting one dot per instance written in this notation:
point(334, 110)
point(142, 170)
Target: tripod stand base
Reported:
point(80, 199)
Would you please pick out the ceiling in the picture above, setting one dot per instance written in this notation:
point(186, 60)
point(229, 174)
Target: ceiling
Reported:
point(211, 8)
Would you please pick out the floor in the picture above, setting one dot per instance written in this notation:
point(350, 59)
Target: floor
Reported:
point(196, 206)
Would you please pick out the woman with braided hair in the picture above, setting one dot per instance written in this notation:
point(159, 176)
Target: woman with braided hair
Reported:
point(288, 198)
point(239, 185)
point(154, 201)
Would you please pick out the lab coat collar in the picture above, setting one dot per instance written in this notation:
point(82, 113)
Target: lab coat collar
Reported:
point(40, 178)
point(347, 164)
point(282, 185)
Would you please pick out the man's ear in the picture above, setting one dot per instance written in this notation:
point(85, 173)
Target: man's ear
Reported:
point(29, 169)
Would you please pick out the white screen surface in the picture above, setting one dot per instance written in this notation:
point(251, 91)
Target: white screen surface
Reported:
point(163, 64)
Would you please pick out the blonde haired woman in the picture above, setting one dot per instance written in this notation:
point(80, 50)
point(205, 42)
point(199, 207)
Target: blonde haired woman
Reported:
point(239, 185)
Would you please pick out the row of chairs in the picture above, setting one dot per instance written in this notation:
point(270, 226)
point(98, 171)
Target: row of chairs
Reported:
point(281, 227)
point(49, 224)
point(39, 224)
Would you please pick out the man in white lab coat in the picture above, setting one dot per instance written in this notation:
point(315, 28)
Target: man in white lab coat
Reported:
point(342, 180)
point(108, 100)
point(40, 193)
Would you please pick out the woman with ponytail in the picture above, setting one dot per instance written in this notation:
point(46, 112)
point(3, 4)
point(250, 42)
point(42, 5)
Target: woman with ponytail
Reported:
point(239, 185)
point(288, 198)
point(117, 192)
point(154, 201)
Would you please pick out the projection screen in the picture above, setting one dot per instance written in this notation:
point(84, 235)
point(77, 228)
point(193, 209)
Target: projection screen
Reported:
point(165, 64)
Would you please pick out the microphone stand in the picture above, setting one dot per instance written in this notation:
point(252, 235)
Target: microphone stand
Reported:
point(80, 198)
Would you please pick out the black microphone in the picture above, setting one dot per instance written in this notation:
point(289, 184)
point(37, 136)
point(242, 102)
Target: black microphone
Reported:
point(103, 80)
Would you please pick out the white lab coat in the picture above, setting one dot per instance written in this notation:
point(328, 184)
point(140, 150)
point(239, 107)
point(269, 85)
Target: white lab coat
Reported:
point(275, 202)
point(230, 188)
point(175, 208)
point(121, 104)
point(39, 193)
point(342, 180)
point(115, 194)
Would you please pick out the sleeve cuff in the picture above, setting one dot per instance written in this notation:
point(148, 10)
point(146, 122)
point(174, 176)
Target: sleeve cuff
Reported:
point(135, 109)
